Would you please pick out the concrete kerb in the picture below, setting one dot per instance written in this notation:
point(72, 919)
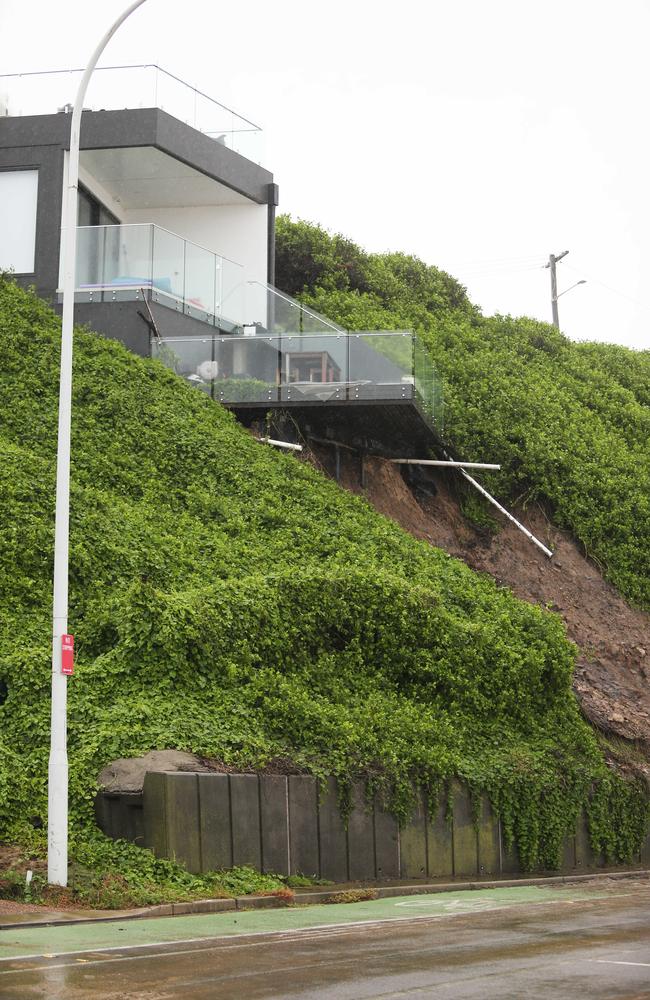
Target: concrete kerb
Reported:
point(313, 898)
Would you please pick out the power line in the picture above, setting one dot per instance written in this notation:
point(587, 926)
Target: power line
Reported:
point(497, 272)
point(615, 291)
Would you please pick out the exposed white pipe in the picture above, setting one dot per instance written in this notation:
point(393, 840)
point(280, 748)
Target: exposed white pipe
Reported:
point(518, 524)
point(449, 463)
point(57, 799)
point(280, 444)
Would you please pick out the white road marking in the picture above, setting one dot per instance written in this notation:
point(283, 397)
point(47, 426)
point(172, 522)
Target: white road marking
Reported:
point(455, 905)
point(610, 961)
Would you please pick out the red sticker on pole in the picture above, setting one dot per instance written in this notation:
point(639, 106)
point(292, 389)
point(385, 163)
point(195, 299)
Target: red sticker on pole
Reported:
point(67, 654)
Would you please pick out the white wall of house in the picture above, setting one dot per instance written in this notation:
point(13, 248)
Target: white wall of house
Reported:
point(18, 202)
point(98, 190)
point(238, 232)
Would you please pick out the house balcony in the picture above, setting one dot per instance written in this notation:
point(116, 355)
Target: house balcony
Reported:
point(246, 344)
point(115, 88)
point(130, 263)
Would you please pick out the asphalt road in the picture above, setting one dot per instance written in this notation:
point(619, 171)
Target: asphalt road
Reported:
point(567, 943)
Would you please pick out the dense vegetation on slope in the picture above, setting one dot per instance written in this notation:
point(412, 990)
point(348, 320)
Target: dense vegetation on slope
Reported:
point(569, 422)
point(231, 601)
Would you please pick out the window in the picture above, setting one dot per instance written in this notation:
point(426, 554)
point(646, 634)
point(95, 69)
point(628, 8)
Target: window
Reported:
point(18, 198)
point(91, 212)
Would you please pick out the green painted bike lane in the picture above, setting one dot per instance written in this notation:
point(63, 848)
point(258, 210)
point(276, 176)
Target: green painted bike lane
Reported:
point(49, 942)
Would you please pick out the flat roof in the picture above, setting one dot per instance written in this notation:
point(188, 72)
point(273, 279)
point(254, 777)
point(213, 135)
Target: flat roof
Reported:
point(145, 129)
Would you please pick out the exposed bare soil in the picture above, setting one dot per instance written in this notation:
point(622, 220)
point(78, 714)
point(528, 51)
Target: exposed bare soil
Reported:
point(613, 639)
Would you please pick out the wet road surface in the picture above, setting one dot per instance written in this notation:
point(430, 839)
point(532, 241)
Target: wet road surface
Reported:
point(584, 943)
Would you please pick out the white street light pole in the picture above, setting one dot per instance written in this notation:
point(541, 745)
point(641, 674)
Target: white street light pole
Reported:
point(57, 804)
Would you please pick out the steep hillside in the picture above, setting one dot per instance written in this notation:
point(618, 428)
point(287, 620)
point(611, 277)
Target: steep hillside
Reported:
point(234, 602)
point(613, 639)
point(570, 423)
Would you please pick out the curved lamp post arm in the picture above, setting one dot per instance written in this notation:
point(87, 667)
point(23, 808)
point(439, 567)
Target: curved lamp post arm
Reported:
point(583, 281)
point(57, 809)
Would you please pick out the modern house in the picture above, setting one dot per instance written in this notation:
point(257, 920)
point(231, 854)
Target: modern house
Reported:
point(175, 254)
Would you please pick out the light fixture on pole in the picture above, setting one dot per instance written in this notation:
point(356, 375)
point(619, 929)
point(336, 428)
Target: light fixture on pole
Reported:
point(57, 797)
point(583, 281)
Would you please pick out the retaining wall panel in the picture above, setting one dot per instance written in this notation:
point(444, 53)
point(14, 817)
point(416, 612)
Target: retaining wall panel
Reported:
point(585, 855)
point(440, 847)
point(645, 850)
point(154, 794)
point(245, 820)
point(274, 821)
point(569, 853)
point(216, 835)
point(182, 809)
point(386, 842)
point(361, 836)
point(137, 820)
point(332, 836)
point(303, 825)
point(510, 863)
point(464, 833)
point(104, 806)
point(489, 848)
point(413, 842)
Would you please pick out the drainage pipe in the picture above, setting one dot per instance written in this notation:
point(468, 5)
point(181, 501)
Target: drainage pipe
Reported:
point(518, 524)
point(280, 444)
point(446, 463)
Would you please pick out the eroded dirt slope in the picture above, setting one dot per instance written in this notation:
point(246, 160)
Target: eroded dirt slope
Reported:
point(613, 668)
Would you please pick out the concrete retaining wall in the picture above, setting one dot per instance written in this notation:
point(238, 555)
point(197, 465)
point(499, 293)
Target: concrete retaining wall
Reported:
point(285, 825)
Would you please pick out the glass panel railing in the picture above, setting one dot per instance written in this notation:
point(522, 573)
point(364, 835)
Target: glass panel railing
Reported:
point(314, 367)
point(168, 267)
point(381, 366)
point(427, 384)
point(259, 367)
point(118, 262)
point(269, 346)
point(277, 313)
point(114, 88)
point(229, 369)
point(231, 295)
point(199, 283)
point(115, 258)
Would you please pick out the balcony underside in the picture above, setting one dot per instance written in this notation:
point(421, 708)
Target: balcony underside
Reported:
point(394, 428)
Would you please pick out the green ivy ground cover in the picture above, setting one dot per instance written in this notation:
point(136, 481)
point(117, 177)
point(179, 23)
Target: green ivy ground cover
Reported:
point(569, 422)
point(231, 601)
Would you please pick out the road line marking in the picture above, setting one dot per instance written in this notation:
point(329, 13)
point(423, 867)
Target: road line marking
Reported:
point(610, 961)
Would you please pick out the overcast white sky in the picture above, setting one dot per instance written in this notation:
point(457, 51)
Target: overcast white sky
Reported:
point(481, 136)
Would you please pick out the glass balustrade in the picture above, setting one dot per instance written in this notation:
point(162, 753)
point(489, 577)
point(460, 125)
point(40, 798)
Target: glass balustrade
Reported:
point(381, 365)
point(113, 88)
point(121, 262)
point(307, 368)
point(267, 347)
point(118, 258)
point(272, 311)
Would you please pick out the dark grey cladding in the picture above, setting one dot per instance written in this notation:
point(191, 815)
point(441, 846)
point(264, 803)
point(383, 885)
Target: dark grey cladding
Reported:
point(142, 127)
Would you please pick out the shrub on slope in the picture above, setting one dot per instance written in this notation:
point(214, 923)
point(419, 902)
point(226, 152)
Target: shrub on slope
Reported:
point(231, 601)
point(570, 423)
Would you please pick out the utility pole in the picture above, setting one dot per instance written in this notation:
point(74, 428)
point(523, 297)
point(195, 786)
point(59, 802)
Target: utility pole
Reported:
point(552, 261)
